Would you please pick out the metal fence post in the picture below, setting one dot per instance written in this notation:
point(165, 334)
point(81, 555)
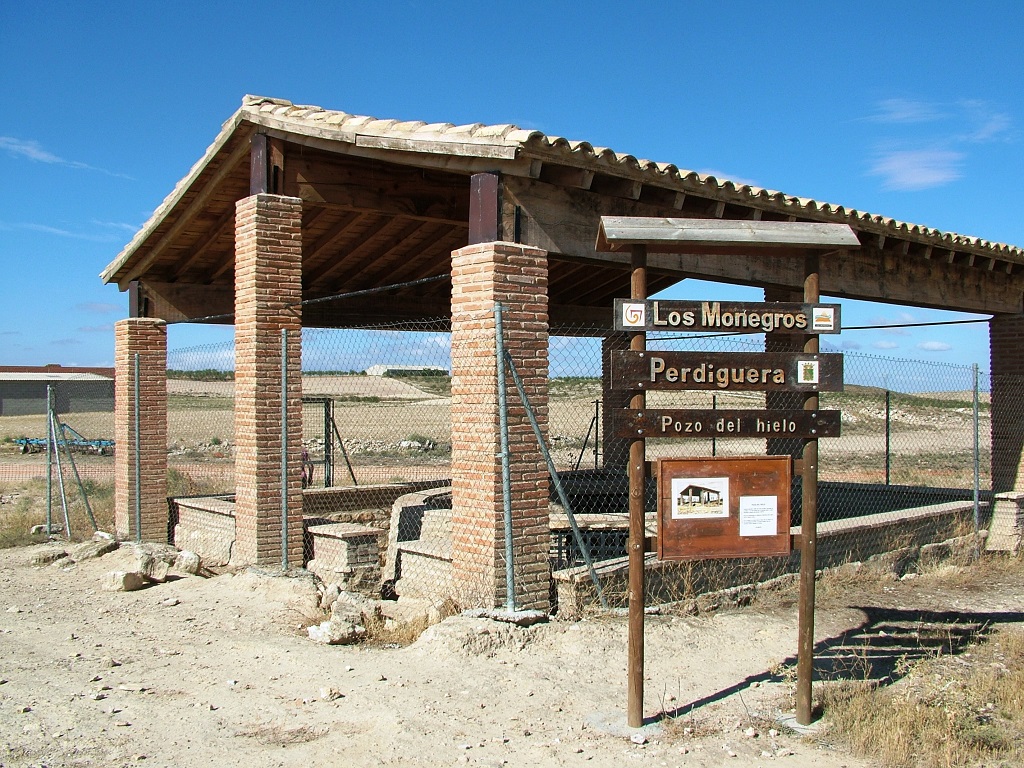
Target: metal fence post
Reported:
point(977, 453)
point(284, 449)
point(49, 462)
point(506, 472)
point(888, 435)
point(137, 436)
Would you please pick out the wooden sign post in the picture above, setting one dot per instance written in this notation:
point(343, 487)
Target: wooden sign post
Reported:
point(637, 522)
point(808, 525)
point(809, 372)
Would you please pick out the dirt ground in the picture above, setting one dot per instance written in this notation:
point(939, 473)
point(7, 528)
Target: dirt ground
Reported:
point(217, 671)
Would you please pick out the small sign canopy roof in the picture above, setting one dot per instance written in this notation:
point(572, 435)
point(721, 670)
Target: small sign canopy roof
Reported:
point(664, 235)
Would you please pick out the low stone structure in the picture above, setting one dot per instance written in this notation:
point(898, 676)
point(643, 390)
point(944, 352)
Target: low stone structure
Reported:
point(346, 554)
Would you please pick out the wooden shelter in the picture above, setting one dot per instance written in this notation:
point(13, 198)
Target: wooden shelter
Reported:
point(367, 203)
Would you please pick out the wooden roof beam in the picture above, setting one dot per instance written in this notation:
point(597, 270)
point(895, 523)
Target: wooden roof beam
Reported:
point(377, 187)
point(691, 236)
point(566, 176)
point(662, 197)
point(616, 186)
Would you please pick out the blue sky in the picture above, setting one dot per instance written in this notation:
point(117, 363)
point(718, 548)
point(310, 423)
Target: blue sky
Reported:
point(910, 110)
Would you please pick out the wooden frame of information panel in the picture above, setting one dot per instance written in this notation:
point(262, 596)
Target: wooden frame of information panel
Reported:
point(723, 507)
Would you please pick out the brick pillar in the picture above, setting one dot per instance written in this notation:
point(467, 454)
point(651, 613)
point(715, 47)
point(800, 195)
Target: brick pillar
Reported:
point(784, 342)
point(1006, 347)
point(268, 277)
point(517, 276)
point(616, 449)
point(147, 338)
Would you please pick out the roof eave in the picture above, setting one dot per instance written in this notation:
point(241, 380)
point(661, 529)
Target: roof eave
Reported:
point(114, 270)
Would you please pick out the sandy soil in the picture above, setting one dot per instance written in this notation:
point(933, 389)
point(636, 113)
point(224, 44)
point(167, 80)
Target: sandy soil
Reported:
point(383, 387)
point(216, 671)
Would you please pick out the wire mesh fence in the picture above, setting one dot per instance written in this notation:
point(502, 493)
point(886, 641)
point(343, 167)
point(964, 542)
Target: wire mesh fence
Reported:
point(377, 448)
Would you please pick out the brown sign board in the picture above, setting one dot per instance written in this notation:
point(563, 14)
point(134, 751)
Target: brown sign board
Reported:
point(723, 507)
point(726, 316)
point(676, 423)
point(727, 371)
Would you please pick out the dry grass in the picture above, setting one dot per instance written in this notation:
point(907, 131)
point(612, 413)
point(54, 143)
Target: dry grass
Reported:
point(949, 710)
point(25, 506)
point(275, 734)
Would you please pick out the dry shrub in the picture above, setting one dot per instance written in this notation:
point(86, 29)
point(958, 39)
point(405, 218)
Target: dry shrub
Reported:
point(392, 634)
point(949, 711)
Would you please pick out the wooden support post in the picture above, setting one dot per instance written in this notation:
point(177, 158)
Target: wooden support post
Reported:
point(637, 521)
point(808, 527)
point(484, 208)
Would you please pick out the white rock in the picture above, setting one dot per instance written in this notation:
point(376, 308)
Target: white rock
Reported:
point(152, 568)
point(187, 561)
point(335, 632)
point(330, 595)
point(123, 581)
point(47, 556)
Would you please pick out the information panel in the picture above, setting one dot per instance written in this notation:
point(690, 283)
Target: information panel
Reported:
point(727, 371)
point(726, 316)
point(723, 507)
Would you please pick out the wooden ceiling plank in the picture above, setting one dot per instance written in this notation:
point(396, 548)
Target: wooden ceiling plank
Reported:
point(354, 250)
point(188, 215)
point(390, 252)
point(201, 247)
point(332, 235)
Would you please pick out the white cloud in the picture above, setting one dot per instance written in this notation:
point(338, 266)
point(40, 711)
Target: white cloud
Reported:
point(901, 318)
point(906, 111)
point(100, 307)
point(885, 345)
point(108, 328)
point(722, 176)
point(916, 169)
point(934, 346)
point(29, 149)
point(46, 229)
point(118, 225)
point(987, 123)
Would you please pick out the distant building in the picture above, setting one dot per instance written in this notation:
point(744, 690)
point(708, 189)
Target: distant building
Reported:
point(406, 370)
point(76, 390)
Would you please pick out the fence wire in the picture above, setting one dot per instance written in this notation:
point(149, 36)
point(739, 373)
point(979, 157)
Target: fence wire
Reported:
point(377, 448)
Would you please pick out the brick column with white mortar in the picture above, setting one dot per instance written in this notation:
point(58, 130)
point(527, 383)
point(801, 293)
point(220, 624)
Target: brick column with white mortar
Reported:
point(1006, 347)
point(147, 338)
point(268, 278)
point(516, 276)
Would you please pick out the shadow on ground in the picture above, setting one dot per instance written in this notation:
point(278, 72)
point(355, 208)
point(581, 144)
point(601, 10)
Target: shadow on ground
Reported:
point(880, 650)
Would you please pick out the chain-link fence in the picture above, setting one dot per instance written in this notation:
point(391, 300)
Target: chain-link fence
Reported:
point(377, 440)
point(56, 453)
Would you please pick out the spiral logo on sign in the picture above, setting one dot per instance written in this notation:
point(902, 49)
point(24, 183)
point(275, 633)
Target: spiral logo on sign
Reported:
point(634, 315)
